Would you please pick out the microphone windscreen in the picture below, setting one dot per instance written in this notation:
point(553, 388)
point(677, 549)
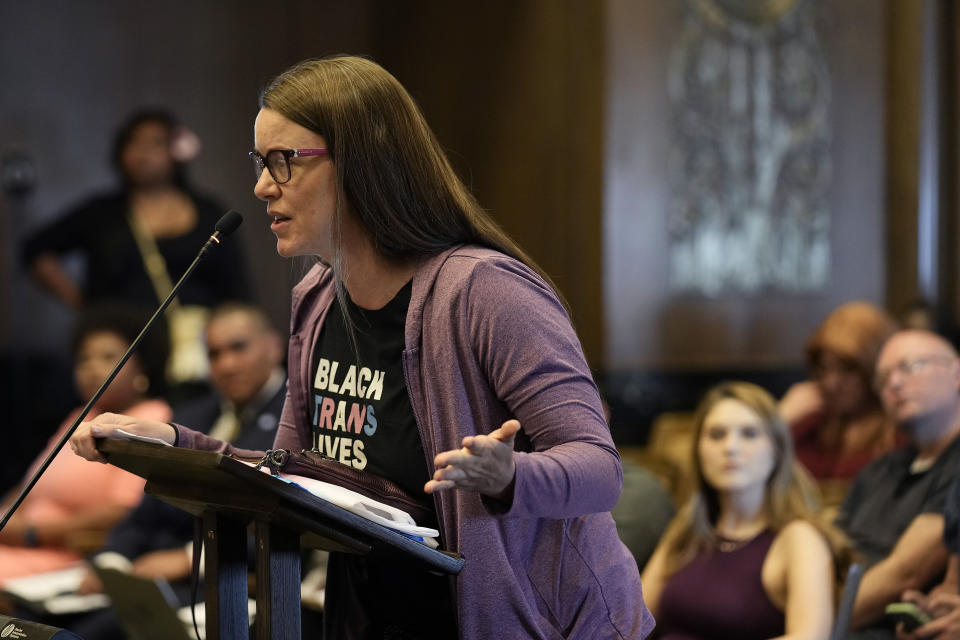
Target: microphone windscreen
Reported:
point(228, 223)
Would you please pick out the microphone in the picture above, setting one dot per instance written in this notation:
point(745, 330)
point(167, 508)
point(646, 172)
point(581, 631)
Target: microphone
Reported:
point(17, 628)
point(226, 225)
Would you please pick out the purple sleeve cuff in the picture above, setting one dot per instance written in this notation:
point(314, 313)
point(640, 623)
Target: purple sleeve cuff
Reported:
point(550, 484)
point(188, 438)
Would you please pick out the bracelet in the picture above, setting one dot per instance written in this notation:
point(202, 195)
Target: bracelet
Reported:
point(30, 538)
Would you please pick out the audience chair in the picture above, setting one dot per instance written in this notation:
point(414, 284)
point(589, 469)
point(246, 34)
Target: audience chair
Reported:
point(842, 623)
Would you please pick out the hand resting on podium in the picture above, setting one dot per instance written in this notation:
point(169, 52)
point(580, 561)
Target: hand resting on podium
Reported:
point(106, 425)
point(484, 464)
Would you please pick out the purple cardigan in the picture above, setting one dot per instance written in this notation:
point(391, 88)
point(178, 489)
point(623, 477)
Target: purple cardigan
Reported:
point(487, 340)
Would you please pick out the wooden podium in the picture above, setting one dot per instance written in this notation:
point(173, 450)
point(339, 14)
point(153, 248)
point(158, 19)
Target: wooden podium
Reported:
point(229, 495)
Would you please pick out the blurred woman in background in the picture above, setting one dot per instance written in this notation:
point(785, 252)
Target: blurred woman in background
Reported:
point(76, 502)
point(747, 557)
point(836, 419)
point(138, 240)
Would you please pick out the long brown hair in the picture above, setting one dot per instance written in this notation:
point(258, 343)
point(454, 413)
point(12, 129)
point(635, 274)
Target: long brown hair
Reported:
point(391, 170)
point(790, 493)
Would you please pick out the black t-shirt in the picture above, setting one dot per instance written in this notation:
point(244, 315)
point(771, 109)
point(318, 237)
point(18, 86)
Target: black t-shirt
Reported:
point(361, 416)
point(951, 516)
point(361, 413)
point(886, 496)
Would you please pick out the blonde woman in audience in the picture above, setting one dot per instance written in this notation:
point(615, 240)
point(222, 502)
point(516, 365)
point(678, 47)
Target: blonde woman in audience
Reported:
point(746, 558)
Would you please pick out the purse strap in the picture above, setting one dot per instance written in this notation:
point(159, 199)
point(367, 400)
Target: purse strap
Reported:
point(153, 262)
point(195, 571)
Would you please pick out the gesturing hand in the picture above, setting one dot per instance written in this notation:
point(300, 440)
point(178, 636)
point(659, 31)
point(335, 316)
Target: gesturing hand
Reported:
point(484, 464)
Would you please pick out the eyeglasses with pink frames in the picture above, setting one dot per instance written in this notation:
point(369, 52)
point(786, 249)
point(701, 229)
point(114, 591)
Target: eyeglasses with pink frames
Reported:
point(277, 162)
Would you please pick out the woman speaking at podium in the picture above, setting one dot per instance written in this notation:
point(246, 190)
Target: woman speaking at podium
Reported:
point(428, 348)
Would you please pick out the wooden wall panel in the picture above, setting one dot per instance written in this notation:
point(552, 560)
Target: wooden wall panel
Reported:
point(647, 327)
point(514, 91)
point(554, 111)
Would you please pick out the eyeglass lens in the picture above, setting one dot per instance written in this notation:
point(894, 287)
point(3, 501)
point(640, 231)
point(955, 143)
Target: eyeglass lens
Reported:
point(275, 162)
point(278, 165)
point(905, 368)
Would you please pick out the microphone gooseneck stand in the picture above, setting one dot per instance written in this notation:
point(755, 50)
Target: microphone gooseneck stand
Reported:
point(224, 227)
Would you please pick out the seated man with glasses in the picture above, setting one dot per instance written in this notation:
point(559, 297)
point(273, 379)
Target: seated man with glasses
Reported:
point(893, 512)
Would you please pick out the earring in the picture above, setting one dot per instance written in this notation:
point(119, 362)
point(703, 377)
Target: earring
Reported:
point(141, 383)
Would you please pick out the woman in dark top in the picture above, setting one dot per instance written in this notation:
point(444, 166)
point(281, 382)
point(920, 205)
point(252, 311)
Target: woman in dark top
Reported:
point(155, 196)
point(138, 241)
point(746, 558)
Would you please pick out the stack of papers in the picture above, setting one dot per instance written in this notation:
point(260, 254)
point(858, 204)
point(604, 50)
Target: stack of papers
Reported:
point(55, 592)
point(365, 507)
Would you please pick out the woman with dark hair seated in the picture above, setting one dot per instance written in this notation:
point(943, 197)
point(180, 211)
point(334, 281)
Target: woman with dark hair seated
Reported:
point(836, 419)
point(76, 502)
point(746, 558)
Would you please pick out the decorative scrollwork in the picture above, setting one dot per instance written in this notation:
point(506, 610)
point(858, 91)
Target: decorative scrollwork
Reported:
point(751, 164)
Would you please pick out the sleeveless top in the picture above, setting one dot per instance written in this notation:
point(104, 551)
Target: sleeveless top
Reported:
point(720, 596)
